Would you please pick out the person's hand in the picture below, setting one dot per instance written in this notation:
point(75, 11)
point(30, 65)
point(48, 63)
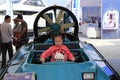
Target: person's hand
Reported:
point(19, 35)
point(16, 38)
point(72, 59)
point(15, 31)
point(42, 60)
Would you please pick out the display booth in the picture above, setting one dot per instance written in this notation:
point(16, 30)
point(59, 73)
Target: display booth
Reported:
point(110, 19)
point(90, 24)
point(100, 18)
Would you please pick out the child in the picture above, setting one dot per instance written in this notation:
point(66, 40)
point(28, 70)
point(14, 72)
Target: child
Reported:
point(59, 51)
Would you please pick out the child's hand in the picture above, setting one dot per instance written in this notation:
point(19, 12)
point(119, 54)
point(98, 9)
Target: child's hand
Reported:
point(42, 60)
point(73, 59)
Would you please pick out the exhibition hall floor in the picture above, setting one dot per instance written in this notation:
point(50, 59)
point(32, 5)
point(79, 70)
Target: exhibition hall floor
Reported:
point(109, 48)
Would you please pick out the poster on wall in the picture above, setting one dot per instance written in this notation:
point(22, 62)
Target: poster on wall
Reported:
point(110, 28)
point(110, 19)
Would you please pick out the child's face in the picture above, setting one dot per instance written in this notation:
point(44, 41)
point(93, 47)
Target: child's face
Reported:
point(58, 40)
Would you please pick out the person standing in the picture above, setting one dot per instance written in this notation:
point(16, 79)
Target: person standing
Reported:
point(23, 36)
point(6, 37)
point(16, 32)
